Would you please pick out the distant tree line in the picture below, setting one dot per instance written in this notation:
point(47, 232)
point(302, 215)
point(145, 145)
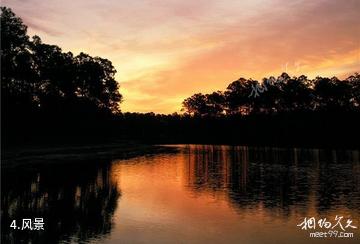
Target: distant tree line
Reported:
point(278, 95)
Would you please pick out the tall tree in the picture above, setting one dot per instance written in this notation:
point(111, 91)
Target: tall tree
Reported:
point(195, 105)
point(237, 96)
point(18, 78)
point(43, 77)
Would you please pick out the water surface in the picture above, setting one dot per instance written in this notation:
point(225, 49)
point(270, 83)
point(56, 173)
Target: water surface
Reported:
point(201, 194)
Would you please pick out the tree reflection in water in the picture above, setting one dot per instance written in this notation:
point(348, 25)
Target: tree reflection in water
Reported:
point(77, 202)
point(243, 188)
point(280, 180)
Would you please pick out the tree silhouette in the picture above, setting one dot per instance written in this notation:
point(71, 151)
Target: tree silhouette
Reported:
point(196, 105)
point(237, 94)
point(354, 81)
point(18, 77)
point(281, 95)
point(51, 95)
point(333, 94)
point(215, 103)
point(40, 77)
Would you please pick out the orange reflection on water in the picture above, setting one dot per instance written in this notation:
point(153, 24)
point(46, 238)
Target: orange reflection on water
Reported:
point(221, 194)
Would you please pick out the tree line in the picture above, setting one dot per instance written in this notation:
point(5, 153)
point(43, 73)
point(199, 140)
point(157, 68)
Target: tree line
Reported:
point(52, 96)
point(38, 77)
point(41, 77)
point(278, 95)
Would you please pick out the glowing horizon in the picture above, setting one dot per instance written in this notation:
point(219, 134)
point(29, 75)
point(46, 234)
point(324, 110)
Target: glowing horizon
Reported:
point(165, 52)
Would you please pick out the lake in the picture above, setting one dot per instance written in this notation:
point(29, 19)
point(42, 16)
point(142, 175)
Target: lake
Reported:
point(197, 194)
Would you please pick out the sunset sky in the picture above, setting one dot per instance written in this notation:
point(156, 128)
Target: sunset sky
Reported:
point(165, 51)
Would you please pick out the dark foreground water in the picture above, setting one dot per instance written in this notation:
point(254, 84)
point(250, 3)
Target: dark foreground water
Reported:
point(201, 194)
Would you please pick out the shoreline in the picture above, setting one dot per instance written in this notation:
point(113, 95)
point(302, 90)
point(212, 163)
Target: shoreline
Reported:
point(42, 155)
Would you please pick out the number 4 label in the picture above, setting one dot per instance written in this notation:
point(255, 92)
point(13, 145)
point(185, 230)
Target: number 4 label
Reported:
point(13, 224)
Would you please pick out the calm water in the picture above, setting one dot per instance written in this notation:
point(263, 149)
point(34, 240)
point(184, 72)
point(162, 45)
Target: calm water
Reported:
point(201, 194)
